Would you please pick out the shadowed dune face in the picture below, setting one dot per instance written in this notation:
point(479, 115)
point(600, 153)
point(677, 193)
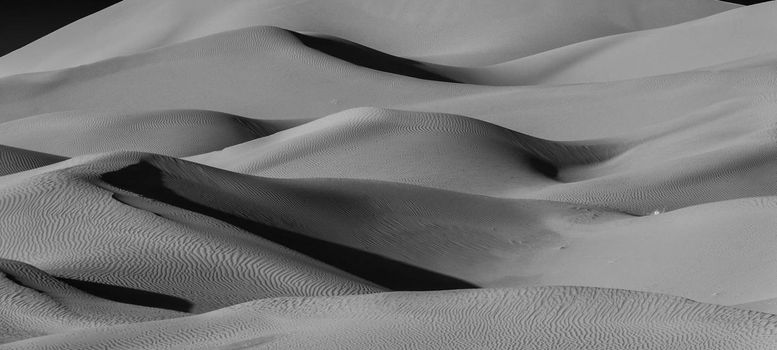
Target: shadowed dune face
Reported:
point(386, 272)
point(447, 174)
point(369, 58)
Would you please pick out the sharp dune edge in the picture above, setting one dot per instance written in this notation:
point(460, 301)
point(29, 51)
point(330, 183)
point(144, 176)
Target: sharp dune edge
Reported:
point(392, 174)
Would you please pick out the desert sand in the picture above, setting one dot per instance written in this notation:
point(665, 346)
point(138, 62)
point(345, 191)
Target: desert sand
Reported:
point(338, 174)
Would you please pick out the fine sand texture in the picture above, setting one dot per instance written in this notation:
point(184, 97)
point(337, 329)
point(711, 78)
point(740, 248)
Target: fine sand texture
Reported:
point(343, 174)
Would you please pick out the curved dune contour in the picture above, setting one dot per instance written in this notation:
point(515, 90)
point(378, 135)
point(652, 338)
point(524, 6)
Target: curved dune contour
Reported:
point(14, 160)
point(343, 174)
point(172, 132)
point(544, 318)
point(36, 304)
point(196, 262)
point(435, 150)
point(452, 32)
point(706, 42)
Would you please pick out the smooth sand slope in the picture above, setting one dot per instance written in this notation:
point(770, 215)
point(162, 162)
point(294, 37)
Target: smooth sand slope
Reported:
point(724, 152)
point(269, 73)
point(441, 31)
point(171, 132)
point(729, 36)
point(434, 150)
point(544, 318)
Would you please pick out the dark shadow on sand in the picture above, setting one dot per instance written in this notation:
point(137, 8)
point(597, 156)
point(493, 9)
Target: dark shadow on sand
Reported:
point(146, 180)
point(130, 295)
point(369, 58)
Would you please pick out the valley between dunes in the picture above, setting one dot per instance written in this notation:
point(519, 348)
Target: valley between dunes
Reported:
point(342, 174)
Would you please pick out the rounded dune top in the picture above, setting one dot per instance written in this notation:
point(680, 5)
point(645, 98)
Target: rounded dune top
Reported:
point(170, 132)
point(441, 31)
point(437, 150)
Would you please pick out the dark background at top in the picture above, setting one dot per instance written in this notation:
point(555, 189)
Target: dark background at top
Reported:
point(24, 21)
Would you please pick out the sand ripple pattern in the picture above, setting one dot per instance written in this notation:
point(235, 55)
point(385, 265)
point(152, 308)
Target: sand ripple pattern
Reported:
point(543, 318)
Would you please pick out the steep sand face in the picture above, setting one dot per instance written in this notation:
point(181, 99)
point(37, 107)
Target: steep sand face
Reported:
point(171, 132)
point(543, 318)
point(448, 32)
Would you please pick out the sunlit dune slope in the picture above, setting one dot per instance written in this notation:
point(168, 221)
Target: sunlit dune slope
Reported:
point(170, 132)
point(543, 318)
point(723, 152)
point(441, 31)
point(269, 73)
point(726, 37)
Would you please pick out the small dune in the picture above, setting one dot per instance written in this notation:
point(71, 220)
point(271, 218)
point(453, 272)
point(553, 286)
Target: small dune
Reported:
point(14, 160)
point(176, 133)
point(36, 304)
point(434, 150)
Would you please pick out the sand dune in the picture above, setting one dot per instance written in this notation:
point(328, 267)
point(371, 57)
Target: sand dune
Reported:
point(270, 74)
point(14, 160)
point(183, 257)
point(75, 133)
point(448, 32)
point(544, 318)
point(453, 152)
point(482, 240)
point(36, 304)
point(726, 37)
point(392, 174)
point(685, 162)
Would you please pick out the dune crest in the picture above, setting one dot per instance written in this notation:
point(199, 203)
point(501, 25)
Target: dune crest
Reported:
point(447, 32)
